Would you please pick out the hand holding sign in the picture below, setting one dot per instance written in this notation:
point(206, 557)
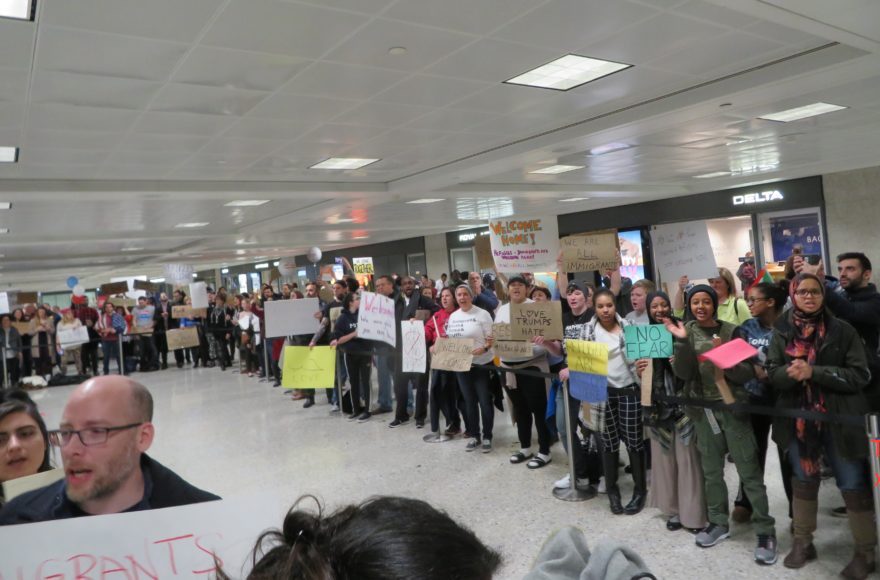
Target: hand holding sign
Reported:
point(729, 354)
point(588, 370)
point(648, 341)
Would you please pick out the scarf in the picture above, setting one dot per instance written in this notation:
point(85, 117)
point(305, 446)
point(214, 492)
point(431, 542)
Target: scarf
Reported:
point(809, 333)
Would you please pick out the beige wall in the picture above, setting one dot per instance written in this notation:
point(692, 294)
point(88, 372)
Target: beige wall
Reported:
point(436, 255)
point(852, 212)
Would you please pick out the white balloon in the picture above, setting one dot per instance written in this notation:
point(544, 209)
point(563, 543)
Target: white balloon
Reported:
point(78, 290)
point(287, 267)
point(314, 254)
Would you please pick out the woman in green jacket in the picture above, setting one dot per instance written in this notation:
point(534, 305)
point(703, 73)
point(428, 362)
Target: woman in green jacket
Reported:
point(818, 363)
point(720, 431)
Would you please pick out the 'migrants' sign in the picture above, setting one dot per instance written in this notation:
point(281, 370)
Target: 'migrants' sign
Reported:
point(760, 197)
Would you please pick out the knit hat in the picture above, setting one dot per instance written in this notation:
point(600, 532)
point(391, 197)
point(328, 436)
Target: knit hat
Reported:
point(696, 290)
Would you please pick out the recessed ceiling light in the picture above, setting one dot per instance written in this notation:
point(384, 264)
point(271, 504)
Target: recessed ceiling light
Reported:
point(799, 113)
point(262, 266)
point(8, 154)
point(276, 263)
point(608, 148)
point(567, 72)
point(360, 237)
point(712, 175)
point(132, 249)
point(4, 230)
point(5, 205)
point(244, 242)
point(224, 271)
point(571, 199)
point(246, 202)
point(343, 163)
point(397, 50)
point(17, 9)
point(426, 200)
point(192, 225)
point(554, 169)
point(157, 280)
point(240, 252)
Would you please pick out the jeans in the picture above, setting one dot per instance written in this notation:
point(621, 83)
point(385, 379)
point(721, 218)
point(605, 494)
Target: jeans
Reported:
point(111, 350)
point(385, 370)
point(850, 475)
point(474, 386)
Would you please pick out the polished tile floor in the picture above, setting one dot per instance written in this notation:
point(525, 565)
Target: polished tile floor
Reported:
point(234, 435)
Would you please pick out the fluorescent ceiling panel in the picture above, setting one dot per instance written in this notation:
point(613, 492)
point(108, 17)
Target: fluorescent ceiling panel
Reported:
point(555, 169)
point(343, 163)
point(805, 112)
point(246, 202)
point(18, 9)
point(8, 154)
point(567, 72)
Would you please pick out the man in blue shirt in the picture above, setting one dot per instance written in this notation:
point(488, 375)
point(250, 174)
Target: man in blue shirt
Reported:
point(483, 297)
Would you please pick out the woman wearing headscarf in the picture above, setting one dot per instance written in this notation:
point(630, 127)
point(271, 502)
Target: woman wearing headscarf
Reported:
point(677, 486)
point(720, 431)
point(817, 363)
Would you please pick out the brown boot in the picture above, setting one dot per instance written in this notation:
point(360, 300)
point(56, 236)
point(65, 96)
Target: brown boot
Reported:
point(804, 507)
point(860, 511)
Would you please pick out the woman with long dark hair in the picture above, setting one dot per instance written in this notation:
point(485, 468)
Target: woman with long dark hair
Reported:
point(357, 357)
point(444, 385)
point(24, 441)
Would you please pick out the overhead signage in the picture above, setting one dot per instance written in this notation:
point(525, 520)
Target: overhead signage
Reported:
point(760, 197)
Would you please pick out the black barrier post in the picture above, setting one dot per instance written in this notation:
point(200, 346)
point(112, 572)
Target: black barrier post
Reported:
point(5, 371)
point(119, 359)
point(266, 369)
point(872, 425)
point(571, 493)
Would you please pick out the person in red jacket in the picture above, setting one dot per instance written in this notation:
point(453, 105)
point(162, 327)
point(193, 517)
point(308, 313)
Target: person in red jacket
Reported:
point(444, 395)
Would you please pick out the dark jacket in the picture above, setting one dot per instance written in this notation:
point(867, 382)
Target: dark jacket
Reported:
point(487, 301)
point(346, 324)
point(861, 309)
point(841, 371)
point(162, 488)
point(404, 311)
point(14, 340)
point(160, 322)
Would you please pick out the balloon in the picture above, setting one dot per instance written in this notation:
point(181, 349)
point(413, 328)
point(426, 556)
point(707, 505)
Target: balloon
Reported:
point(72, 281)
point(287, 267)
point(78, 290)
point(314, 254)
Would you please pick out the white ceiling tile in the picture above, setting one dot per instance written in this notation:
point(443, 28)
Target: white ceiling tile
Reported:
point(504, 99)
point(493, 61)
point(73, 118)
point(11, 114)
point(144, 158)
point(718, 55)
point(300, 155)
point(382, 114)
point(716, 14)
point(254, 128)
point(300, 108)
point(203, 173)
point(345, 135)
point(784, 34)
point(41, 139)
point(91, 91)
point(181, 123)
point(394, 142)
point(30, 156)
point(244, 147)
point(450, 120)
point(280, 27)
point(58, 171)
point(343, 81)
point(14, 85)
point(238, 69)
point(167, 19)
point(369, 46)
point(158, 142)
point(220, 160)
point(16, 43)
point(95, 53)
point(430, 91)
point(365, 6)
point(180, 98)
point(476, 17)
point(564, 25)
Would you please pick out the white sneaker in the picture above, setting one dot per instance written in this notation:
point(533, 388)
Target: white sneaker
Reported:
point(563, 483)
point(601, 487)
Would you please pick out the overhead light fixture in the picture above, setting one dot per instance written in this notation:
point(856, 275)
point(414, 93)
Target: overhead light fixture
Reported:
point(343, 163)
point(799, 113)
point(240, 252)
point(712, 175)
point(4, 230)
point(573, 199)
point(157, 280)
point(426, 200)
point(224, 271)
point(276, 263)
point(567, 72)
point(132, 249)
point(8, 154)
point(246, 202)
point(262, 266)
point(192, 225)
point(555, 169)
point(5, 205)
point(244, 242)
point(17, 9)
point(360, 237)
point(195, 275)
point(608, 148)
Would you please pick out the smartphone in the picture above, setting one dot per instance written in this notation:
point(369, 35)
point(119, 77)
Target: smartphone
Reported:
point(812, 259)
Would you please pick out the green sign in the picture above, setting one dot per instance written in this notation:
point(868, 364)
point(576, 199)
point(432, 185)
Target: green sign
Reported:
point(648, 341)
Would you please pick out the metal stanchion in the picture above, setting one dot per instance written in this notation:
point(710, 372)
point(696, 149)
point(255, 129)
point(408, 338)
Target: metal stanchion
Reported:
point(266, 369)
point(120, 358)
point(5, 371)
point(872, 424)
point(439, 436)
point(571, 493)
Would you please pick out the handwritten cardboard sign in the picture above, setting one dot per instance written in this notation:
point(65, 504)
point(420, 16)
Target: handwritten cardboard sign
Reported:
point(114, 288)
point(588, 370)
point(182, 338)
point(376, 318)
point(188, 312)
point(483, 250)
point(27, 297)
point(363, 265)
point(453, 354)
point(524, 245)
point(536, 319)
point(4, 303)
point(68, 337)
point(291, 317)
point(122, 301)
point(146, 286)
point(306, 368)
point(647, 341)
point(501, 331)
point(588, 252)
point(15, 487)
point(22, 327)
point(512, 349)
point(683, 249)
point(412, 333)
point(198, 294)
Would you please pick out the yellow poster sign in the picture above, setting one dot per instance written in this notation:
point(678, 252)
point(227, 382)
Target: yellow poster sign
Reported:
point(306, 368)
point(587, 357)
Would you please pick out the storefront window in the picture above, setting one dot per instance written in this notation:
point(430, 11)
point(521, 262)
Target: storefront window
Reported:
point(787, 233)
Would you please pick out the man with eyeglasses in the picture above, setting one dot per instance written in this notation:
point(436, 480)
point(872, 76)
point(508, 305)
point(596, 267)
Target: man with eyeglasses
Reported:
point(106, 429)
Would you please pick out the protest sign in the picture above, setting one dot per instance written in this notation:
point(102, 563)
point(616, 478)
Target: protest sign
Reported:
point(376, 318)
point(188, 312)
point(729, 354)
point(647, 384)
point(182, 338)
point(122, 301)
point(15, 487)
point(588, 252)
point(412, 333)
point(483, 250)
point(588, 370)
point(501, 331)
point(511, 349)
point(22, 327)
point(178, 542)
point(362, 265)
point(198, 294)
point(4, 303)
point(146, 286)
point(27, 298)
point(683, 249)
point(178, 273)
point(68, 337)
point(453, 354)
point(524, 245)
point(114, 288)
point(291, 317)
point(647, 341)
point(308, 368)
point(536, 319)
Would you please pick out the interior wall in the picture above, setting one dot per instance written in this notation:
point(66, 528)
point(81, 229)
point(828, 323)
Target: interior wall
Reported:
point(852, 212)
point(730, 239)
point(436, 255)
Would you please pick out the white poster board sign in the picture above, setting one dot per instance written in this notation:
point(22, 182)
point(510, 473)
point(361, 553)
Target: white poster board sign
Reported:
point(4, 303)
point(524, 245)
point(376, 318)
point(412, 333)
point(291, 317)
point(198, 293)
point(178, 542)
point(683, 249)
point(178, 273)
point(73, 336)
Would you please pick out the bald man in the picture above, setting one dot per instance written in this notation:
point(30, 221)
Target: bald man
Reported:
point(106, 429)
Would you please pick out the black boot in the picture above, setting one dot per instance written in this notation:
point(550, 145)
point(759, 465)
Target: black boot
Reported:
point(609, 462)
point(638, 461)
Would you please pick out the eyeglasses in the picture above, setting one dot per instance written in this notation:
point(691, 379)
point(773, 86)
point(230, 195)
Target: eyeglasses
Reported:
point(753, 300)
point(88, 437)
point(23, 434)
point(808, 292)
